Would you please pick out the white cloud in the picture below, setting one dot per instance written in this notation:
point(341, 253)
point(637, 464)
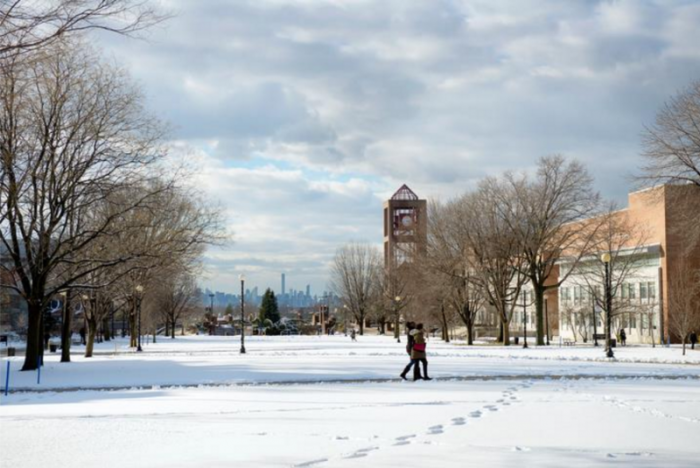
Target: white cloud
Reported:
point(304, 114)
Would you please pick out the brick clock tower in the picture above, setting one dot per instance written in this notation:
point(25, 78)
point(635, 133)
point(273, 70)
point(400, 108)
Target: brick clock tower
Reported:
point(405, 227)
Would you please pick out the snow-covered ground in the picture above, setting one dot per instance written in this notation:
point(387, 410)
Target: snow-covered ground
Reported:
point(326, 401)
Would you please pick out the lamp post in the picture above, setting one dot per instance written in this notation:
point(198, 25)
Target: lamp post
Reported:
point(345, 317)
point(139, 291)
point(525, 319)
point(397, 335)
point(242, 278)
point(608, 305)
point(212, 327)
point(546, 317)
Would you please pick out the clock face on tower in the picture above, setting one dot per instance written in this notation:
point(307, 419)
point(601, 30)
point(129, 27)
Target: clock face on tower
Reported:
point(406, 221)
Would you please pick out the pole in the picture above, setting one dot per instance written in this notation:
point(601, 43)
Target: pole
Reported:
point(242, 318)
point(138, 311)
point(546, 319)
point(7, 379)
point(38, 370)
point(525, 318)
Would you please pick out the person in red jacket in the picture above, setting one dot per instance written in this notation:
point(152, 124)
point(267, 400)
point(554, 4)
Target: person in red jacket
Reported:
point(410, 326)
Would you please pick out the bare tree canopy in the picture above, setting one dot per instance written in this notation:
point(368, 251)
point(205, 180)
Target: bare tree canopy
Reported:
point(26, 25)
point(672, 143)
point(355, 278)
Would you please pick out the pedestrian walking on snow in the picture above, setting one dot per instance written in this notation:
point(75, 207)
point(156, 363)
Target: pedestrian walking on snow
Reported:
point(623, 337)
point(418, 352)
point(410, 341)
point(352, 335)
point(693, 339)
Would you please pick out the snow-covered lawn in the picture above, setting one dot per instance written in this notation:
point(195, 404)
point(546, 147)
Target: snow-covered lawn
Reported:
point(326, 402)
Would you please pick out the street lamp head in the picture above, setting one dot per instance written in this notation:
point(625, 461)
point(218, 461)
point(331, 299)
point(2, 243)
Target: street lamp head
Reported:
point(85, 297)
point(397, 298)
point(63, 293)
point(241, 277)
point(139, 288)
point(605, 258)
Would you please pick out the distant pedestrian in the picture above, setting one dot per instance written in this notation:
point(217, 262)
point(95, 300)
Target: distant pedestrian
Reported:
point(82, 336)
point(623, 337)
point(418, 352)
point(352, 335)
point(693, 339)
point(410, 341)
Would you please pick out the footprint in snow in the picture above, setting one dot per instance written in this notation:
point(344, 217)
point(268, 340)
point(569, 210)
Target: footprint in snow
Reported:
point(521, 449)
point(491, 407)
point(363, 452)
point(404, 440)
point(475, 414)
point(459, 421)
point(435, 430)
point(311, 463)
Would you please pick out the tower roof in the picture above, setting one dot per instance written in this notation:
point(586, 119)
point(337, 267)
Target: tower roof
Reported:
point(404, 193)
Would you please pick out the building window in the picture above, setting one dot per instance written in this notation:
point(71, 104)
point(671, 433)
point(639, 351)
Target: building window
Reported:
point(651, 288)
point(632, 290)
point(625, 286)
point(643, 291)
point(633, 321)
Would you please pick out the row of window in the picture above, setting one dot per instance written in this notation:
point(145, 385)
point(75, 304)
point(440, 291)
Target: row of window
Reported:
point(628, 291)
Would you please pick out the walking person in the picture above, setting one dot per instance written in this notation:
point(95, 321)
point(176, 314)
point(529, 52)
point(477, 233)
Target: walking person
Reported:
point(352, 335)
point(410, 341)
point(418, 351)
point(623, 337)
point(693, 339)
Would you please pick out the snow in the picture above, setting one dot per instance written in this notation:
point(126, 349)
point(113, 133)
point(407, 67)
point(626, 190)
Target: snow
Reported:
point(327, 402)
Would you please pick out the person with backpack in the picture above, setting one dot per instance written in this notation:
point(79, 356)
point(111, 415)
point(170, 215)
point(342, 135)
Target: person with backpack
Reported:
point(623, 337)
point(418, 352)
point(410, 326)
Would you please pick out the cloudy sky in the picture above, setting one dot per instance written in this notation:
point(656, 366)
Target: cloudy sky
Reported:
point(304, 115)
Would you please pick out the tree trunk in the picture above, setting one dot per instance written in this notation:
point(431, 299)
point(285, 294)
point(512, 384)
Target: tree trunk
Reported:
point(167, 326)
point(132, 330)
point(66, 328)
point(155, 332)
point(683, 346)
point(35, 347)
point(506, 333)
point(500, 331)
point(183, 330)
point(539, 309)
point(362, 323)
point(106, 330)
point(172, 328)
point(445, 328)
point(91, 331)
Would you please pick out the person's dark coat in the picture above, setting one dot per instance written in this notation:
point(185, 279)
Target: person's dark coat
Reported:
point(419, 339)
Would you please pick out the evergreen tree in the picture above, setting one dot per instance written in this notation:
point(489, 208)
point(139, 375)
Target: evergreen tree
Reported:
point(268, 308)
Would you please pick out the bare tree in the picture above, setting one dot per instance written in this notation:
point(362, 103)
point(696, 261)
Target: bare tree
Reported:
point(448, 256)
point(176, 297)
point(355, 277)
point(26, 25)
point(672, 156)
point(494, 251)
point(684, 302)
point(72, 135)
point(541, 211)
